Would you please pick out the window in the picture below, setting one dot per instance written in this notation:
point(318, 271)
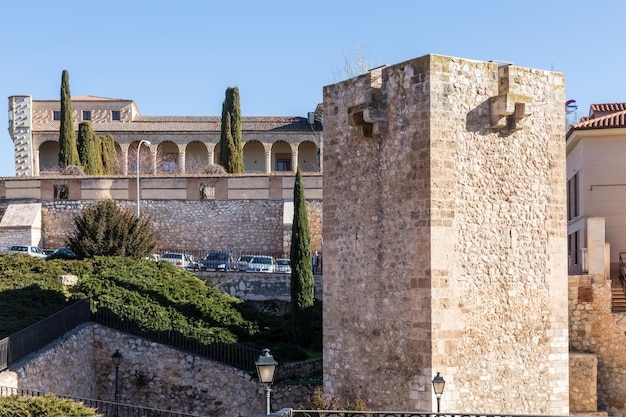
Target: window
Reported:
point(572, 197)
point(56, 115)
point(61, 192)
point(283, 162)
point(115, 115)
point(86, 115)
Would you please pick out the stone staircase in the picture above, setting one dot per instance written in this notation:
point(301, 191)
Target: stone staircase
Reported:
point(618, 299)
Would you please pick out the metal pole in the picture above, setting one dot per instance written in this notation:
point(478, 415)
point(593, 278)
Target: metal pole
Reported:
point(438, 401)
point(117, 368)
point(267, 400)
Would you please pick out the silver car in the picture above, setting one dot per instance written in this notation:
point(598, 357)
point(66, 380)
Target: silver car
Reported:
point(27, 250)
point(283, 266)
point(262, 264)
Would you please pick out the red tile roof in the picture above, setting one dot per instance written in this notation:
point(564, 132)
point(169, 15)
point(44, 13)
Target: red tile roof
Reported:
point(602, 116)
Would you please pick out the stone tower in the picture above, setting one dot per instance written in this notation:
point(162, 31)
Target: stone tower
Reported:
point(20, 129)
point(445, 238)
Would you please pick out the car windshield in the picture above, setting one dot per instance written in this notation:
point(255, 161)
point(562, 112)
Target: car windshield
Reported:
point(261, 260)
point(245, 258)
point(172, 256)
point(283, 262)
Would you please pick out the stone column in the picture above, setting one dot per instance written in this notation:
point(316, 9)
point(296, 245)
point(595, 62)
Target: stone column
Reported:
point(268, 159)
point(181, 162)
point(294, 159)
point(124, 166)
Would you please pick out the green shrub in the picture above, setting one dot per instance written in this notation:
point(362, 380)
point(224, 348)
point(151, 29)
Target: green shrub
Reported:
point(107, 229)
point(46, 406)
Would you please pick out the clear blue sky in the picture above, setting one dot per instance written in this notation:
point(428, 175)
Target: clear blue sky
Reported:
point(178, 57)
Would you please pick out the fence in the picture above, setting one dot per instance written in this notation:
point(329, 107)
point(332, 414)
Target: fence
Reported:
point(105, 408)
point(232, 354)
point(40, 334)
point(198, 254)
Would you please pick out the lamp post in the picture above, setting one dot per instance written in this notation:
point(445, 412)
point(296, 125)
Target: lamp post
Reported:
point(117, 359)
point(438, 384)
point(265, 367)
point(147, 142)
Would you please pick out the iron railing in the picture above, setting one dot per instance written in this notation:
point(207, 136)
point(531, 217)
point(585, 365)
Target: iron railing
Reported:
point(37, 336)
point(232, 354)
point(105, 408)
point(344, 413)
point(622, 271)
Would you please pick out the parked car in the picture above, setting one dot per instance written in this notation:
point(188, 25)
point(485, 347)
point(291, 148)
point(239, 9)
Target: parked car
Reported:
point(27, 250)
point(48, 252)
point(262, 264)
point(193, 264)
point(62, 253)
point(242, 262)
point(180, 260)
point(283, 265)
point(219, 261)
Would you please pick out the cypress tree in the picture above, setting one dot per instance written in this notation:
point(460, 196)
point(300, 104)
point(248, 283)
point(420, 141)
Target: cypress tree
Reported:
point(231, 151)
point(68, 152)
point(109, 155)
point(89, 149)
point(302, 283)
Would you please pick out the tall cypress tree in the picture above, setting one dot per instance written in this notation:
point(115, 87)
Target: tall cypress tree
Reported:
point(68, 152)
point(302, 283)
point(109, 155)
point(231, 151)
point(89, 149)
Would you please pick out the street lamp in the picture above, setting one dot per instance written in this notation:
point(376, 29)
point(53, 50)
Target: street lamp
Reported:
point(147, 142)
point(117, 359)
point(265, 367)
point(438, 384)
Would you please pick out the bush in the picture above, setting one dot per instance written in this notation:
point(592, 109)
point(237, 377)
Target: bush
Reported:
point(106, 229)
point(214, 169)
point(73, 170)
point(46, 406)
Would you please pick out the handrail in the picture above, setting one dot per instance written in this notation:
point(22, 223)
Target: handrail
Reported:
point(105, 408)
point(38, 335)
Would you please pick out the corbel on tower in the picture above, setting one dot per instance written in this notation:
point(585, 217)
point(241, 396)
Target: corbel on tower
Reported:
point(508, 109)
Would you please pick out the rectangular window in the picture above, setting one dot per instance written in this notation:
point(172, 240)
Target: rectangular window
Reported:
point(56, 115)
point(572, 198)
point(61, 192)
point(283, 162)
point(86, 115)
point(115, 115)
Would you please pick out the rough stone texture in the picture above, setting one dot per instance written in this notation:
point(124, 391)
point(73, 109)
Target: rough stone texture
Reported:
point(255, 226)
point(446, 251)
point(262, 287)
point(583, 395)
point(150, 375)
point(596, 330)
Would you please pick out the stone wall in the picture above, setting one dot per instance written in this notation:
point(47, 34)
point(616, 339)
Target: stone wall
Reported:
point(583, 385)
point(447, 249)
point(594, 329)
point(255, 226)
point(261, 287)
point(150, 375)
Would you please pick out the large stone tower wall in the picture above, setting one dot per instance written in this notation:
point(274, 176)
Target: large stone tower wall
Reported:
point(445, 237)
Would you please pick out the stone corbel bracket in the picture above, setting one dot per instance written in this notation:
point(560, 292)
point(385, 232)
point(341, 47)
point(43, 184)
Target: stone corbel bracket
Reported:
point(370, 118)
point(509, 110)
